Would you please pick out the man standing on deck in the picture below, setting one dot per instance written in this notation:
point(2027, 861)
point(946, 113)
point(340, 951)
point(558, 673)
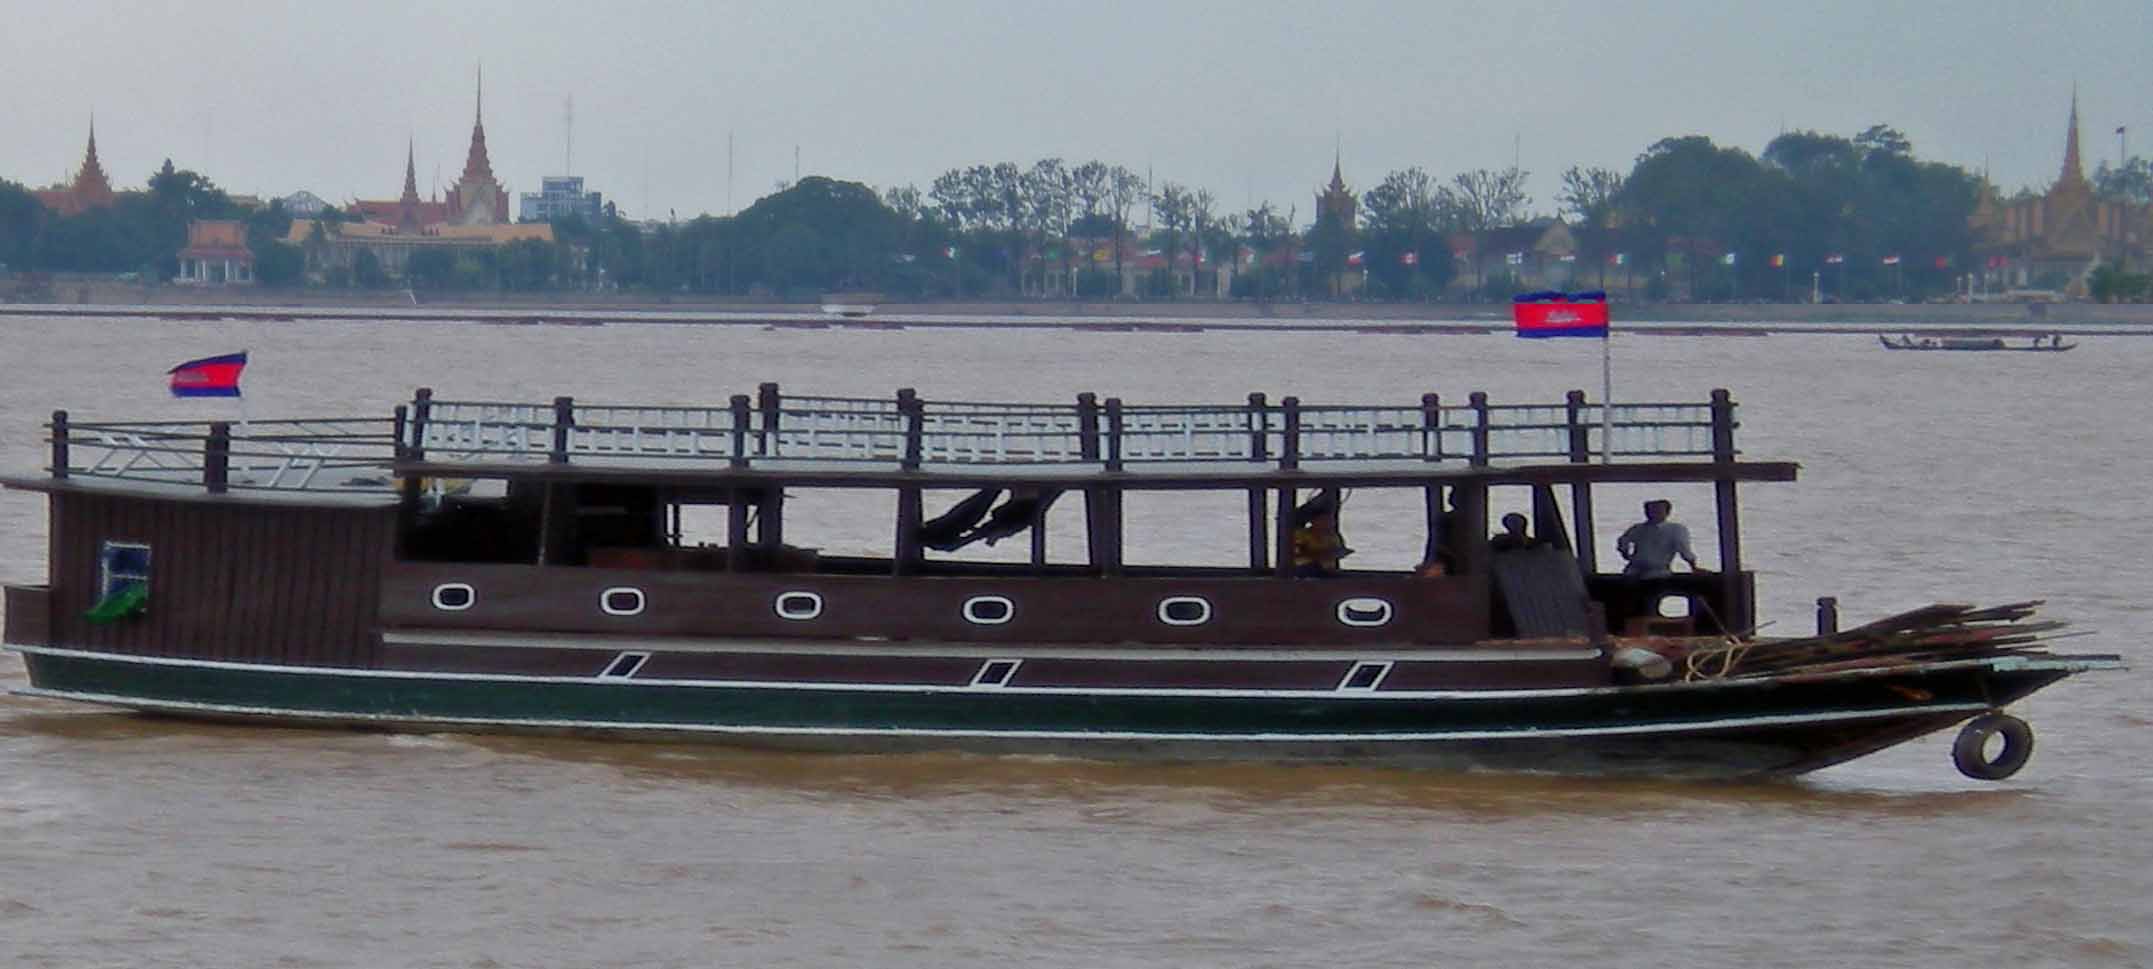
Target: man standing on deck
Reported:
point(1650, 546)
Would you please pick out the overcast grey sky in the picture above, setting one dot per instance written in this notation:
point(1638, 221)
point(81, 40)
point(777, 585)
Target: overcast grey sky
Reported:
point(1243, 98)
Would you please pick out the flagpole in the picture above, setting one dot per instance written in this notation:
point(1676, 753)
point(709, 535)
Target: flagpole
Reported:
point(1607, 396)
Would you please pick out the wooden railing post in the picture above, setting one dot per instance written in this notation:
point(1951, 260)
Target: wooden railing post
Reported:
point(1827, 615)
point(1088, 425)
point(422, 411)
point(398, 424)
point(564, 417)
point(59, 444)
point(1289, 456)
point(1113, 433)
point(742, 415)
point(1431, 418)
point(770, 403)
point(1734, 609)
point(1479, 401)
point(915, 417)
point(217, 458)
point(1722, 427)
point(1259, 428)
point(1580, 437)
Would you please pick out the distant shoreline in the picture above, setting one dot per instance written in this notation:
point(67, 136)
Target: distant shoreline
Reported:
point(101, 298)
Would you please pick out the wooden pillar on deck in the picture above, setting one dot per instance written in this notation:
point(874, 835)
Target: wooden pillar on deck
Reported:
point(1581, 528)
point(909, 516)
point(1737, 615)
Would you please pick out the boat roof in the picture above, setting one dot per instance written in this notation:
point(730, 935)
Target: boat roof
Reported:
point(910, 441)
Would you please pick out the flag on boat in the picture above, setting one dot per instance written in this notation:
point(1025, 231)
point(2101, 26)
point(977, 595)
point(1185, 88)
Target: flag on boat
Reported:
point(1553, 313)
point(209, 376)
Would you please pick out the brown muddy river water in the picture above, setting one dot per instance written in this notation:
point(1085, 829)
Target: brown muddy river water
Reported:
point(1986, 478)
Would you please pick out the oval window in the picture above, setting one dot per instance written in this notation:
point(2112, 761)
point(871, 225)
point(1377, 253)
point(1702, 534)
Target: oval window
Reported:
point(1184, 610)
point(1364, 611)
point(621, 601)
point(454, 596)
point(799, 606)
point(989, 610)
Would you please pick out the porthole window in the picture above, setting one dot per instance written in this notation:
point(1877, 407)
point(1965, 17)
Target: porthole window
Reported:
point(1365, 611)
point(621, 600)
point(454, 596)
point(799, 606)
point(989, 610)
point(1184, 610)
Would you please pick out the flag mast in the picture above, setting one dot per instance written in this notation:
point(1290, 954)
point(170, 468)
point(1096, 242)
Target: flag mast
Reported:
point(1607, 396)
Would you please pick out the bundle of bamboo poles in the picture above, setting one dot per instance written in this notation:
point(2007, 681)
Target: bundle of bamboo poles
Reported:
point(1926, 635)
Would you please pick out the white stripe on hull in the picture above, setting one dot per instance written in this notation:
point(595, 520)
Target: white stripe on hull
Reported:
point(750, 730)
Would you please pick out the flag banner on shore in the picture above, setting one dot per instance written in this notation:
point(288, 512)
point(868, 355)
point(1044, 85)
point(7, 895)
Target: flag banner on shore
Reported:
point(1514, 258)
point(1727, 260)
point(1891, 260)
point(1619, 259)
point(1779, 260)
point(1943, 262)
point(1409, 258)
point(1568, 257)
point(1553, 313)
point(1356, 258)
point(1834, 259)
point(209, 376)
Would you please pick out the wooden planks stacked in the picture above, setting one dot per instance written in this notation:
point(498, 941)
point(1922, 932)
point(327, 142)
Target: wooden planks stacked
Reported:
point(1930, 634)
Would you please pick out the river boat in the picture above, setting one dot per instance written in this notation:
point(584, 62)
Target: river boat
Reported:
point(536, 567)
point(2039, 344)
point(851, 305)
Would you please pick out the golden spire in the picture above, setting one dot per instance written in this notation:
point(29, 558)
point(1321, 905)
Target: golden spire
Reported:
point(2073, 171)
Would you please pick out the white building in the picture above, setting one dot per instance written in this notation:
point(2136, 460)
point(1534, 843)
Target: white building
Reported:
point(560, 196)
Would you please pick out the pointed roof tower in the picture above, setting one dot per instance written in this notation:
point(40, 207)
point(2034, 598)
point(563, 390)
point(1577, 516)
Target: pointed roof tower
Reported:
point(476, 166)
point(407, 205)
point(91, 186)
point(2074, 173)
point(477, 198)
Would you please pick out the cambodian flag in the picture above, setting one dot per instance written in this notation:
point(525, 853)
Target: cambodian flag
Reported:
point(1548, 314)
point(209, 376)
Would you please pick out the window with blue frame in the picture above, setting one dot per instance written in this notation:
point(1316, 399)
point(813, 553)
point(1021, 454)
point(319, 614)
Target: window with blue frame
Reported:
point(123, 581)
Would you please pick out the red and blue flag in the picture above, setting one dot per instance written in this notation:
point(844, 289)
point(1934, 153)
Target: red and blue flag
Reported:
point(209, 376)
point(1552, 313)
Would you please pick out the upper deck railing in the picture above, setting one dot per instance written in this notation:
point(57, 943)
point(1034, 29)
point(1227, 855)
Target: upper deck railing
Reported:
point(915, 433)
point(903, 432)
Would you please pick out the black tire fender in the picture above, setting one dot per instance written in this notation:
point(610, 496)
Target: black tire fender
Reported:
point(1970, 752)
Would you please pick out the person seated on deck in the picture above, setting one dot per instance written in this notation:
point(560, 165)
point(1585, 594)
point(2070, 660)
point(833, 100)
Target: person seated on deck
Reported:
point(1318, 545)
point(1514, 536)
point(1650, 546)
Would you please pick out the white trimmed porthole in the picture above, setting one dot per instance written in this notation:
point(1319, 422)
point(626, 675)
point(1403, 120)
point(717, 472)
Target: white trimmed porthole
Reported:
point(1364, 676)
point(798, 606)
point(454, 596)
point(622, 600)
point(1365, 611)
point(996, 672)
point(1184, 610)
point(989, 610)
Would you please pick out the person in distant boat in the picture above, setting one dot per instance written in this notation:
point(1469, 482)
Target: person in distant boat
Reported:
point(1514, 535)
point(1651, 546)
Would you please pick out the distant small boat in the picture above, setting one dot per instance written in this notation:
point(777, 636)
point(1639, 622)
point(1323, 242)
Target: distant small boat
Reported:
point(2039, 344)
point(850, 305)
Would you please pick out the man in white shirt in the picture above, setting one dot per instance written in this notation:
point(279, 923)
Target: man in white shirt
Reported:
point(1650, 546)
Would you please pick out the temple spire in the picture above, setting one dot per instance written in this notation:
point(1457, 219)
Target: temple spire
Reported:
point(476, 165)
point(2073, 171)
point(91, 185)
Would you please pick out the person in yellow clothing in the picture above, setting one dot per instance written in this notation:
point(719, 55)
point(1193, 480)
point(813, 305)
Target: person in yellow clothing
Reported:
point(1318, 546)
